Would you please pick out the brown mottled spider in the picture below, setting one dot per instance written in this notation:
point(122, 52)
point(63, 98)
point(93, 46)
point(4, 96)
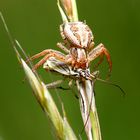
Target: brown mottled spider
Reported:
point(80, 49)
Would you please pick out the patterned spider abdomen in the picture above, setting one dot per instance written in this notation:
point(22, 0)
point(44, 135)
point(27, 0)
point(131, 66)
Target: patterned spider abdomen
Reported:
point(78, 34)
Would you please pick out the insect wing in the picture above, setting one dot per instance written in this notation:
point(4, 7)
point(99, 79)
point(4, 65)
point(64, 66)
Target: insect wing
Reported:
point(60, 67)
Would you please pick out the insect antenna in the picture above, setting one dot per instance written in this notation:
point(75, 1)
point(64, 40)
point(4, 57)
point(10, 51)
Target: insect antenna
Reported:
point(95, 77)
point(113, 84)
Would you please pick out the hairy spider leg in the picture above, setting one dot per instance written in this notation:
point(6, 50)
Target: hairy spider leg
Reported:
point(44, 52)
point(45, 58)
point(99, 62)
point(48, 53)
point(91, 46)
point(61, 46)
point(90, 49)
point(99, 51)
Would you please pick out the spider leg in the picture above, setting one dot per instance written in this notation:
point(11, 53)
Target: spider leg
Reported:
point(91, 46)
point(99, 62)
point(101, 56)
point(61, 46)
point(99, 51)
point(45, 58)
point(61, 32)
point(44, 52)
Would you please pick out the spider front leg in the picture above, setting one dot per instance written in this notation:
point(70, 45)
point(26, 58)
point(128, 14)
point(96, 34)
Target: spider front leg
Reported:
point(100, 50)
point(48, 53)
point(99, 62)
point(56, 55)
point(44, 52)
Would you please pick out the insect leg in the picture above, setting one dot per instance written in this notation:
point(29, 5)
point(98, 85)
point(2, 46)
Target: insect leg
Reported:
point(56, 84)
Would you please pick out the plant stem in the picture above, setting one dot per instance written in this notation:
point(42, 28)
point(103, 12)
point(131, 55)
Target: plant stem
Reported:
point(74, 10)
point(88, 109)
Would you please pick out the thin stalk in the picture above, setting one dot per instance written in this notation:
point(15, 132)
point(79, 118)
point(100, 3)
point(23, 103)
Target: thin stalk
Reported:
point(95, 125)
point(68, 11)
point(88, 109)
point(74, 10)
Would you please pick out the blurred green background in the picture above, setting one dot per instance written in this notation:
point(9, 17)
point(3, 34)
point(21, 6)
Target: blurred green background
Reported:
point(35, 24)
